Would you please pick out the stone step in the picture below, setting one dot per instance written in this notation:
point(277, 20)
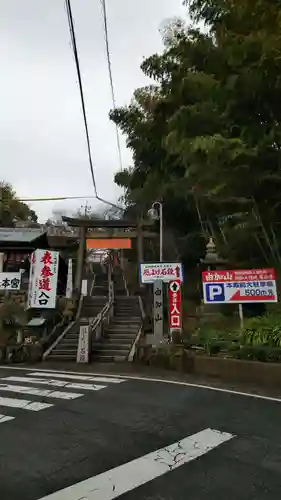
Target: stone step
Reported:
point(119, 333)
point(121, 328)
point(73, 335)
point(68, 344)
point(103, 358)
point(111, 352)
point(62, 350)
point(111, 347)
point(65, 357)
point(120, 340)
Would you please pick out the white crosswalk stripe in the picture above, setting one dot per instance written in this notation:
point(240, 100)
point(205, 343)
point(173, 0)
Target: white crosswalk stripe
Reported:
point(89, 378)
point(4, 418)
point(24, 403)
point(33, 391)
point(31, 383)
point(56, 383)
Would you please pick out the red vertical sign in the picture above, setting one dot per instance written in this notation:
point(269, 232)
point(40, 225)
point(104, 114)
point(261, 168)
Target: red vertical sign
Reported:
point(175, 305)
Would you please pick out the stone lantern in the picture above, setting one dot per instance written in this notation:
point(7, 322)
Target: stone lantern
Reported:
point(212, 258)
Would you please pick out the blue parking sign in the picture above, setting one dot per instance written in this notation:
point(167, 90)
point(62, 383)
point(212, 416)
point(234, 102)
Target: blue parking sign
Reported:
point(214, 292)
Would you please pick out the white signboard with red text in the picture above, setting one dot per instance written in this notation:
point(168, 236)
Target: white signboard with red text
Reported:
point(43, 279)
point(160, 271)
point(175, 320)
point(239, 286)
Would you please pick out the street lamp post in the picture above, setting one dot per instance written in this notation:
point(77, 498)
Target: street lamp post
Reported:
point(156, 213)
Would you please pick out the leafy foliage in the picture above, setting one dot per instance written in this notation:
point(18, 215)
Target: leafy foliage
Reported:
point(263, 331)
point(12, 209)
point(206, 136)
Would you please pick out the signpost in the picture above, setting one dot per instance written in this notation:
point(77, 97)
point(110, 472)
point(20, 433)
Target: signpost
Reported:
point(10, 281)
point(160, 271)
point(69, 284)
point(43, 279)
point(175, 316)
point(158, 309)
point(239, 287)
point(83, 344)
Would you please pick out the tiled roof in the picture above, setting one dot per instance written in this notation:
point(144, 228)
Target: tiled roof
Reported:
point(19, 234)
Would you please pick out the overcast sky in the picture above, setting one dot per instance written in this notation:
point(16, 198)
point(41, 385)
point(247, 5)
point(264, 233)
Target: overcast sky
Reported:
point(42, 141)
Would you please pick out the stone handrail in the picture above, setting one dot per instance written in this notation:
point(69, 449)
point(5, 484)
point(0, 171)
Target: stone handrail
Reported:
point(96, 325)
point(140, 332)
point(66, 330)
point(143, 315)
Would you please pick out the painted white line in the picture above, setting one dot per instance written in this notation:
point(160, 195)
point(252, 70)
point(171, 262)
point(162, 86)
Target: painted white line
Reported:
point(21, 389)
point(78, 377)
point(4, 418)
point(55, 383)
point(127, 477)
point(24, 404)
point(154, 379)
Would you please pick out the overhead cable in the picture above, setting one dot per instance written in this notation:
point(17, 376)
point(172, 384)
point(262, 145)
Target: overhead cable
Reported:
point(106, 38)
point(76, 57)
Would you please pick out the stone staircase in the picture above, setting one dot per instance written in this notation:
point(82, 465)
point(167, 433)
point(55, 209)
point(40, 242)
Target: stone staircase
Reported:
point(120, 334)
point(66, 349)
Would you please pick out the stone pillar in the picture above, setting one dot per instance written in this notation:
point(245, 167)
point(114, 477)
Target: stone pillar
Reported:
point(2, 255)
point(80, 261)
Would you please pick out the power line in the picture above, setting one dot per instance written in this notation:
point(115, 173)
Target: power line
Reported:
point(106, 37)
point(76, 57)
point(74, 47)
point(55, 198)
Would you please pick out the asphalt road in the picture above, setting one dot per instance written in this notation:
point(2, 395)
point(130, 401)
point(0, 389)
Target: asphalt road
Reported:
point(54, 442)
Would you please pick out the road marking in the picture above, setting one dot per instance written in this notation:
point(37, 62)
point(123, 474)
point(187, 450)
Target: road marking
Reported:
point(39, 392)
point(56, 383)
point(127, 477)
point(153, 379)
point(78, 377)
point(4, 418)
point(24, 404)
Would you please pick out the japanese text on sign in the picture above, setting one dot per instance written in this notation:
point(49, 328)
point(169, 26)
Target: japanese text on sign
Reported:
point(175, 305)
point(158, 307)
point(160, 271)
point(43, 279)
point(10, 281)
point(254, 285)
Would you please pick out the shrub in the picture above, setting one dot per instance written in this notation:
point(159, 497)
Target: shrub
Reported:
point(262, 331)
point(258, 353)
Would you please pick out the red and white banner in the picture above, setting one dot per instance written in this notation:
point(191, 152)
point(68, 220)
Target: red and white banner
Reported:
point(43, 279)
point(175, 320)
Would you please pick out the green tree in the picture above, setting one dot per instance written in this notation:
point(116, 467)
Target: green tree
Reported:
point(12, 209)
point(206, 136)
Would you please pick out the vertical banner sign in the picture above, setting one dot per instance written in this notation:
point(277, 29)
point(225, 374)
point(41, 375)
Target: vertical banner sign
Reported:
point(43, 279)
point(83, 344)
point(158, 308)
point(175, 305)
point(69, 284)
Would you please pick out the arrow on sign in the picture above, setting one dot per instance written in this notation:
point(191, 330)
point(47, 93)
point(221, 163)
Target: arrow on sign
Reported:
point(177, 269)
point(237, 297)
point(174, 286)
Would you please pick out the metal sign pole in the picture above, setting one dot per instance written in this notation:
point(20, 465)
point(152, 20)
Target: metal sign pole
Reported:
point(241, 316)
